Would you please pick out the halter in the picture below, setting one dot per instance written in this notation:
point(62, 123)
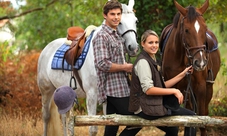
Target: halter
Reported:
point(130, 30)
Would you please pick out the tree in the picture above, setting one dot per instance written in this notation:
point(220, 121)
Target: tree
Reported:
point(37, 29)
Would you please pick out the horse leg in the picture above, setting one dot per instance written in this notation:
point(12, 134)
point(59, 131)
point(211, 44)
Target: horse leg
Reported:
point(91, 102)
point(46, 113)
point(203, 104)
point(63, 118)
point(205, 110)
point(70, 120)
point(104, 107)
point(68, 123)
point(51, 117)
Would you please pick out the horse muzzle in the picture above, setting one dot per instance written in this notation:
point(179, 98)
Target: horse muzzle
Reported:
point(133, 51)
point(199, 65)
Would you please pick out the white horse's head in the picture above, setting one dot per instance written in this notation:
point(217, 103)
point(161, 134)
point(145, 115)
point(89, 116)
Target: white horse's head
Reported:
point(127, 28)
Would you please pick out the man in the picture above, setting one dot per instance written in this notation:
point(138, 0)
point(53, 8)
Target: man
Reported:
point(111, 68)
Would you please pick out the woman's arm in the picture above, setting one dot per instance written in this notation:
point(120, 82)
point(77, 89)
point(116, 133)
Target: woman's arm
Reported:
point(177, 78)
point(166, 91)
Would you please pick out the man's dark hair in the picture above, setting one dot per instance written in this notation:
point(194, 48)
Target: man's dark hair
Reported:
point(113, 4)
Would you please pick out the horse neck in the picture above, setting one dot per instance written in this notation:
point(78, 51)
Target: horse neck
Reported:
point(177, 44)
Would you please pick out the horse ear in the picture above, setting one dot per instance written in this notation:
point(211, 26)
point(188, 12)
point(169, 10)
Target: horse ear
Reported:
point(131, 4)
point(204, 7)
point(181, 9)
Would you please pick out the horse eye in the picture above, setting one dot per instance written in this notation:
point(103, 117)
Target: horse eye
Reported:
point(186, 30)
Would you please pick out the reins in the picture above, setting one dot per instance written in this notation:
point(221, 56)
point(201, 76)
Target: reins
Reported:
point(190, 91)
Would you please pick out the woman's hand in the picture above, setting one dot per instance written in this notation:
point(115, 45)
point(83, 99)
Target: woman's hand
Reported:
point(179, 95)
point(188, 70)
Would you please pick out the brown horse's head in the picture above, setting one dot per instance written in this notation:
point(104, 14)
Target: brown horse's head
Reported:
point(192, 32)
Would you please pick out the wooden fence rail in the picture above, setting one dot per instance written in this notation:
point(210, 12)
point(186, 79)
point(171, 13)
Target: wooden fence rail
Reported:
point(123, 120)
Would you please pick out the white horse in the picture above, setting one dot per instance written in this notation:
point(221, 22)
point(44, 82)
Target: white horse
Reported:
point(48, 79)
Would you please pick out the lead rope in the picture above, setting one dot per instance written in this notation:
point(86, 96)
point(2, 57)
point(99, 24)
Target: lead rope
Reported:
point(128, 75)
point(190, 91)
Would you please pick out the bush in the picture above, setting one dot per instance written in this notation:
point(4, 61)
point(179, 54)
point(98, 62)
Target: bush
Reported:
point(218, 108)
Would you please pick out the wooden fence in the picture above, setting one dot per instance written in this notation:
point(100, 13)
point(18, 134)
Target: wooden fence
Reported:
point(123, 120)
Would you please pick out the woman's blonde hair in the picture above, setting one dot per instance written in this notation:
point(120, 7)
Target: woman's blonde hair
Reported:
point(146, 34)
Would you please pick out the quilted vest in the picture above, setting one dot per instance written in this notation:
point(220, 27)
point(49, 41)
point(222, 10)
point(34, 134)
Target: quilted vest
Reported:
point(151, 105)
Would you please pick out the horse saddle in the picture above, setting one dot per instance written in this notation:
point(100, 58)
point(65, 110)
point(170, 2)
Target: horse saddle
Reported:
point(77, 36)
point(165, 36)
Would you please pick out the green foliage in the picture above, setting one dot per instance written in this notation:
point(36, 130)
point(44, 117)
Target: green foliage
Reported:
point(218, 108)
point(81, 105)
point(37, 29)
point(6, 51)
point(153, 15)
point(224, 68)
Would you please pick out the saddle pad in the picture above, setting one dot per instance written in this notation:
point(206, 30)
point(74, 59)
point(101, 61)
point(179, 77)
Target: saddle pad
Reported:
point(215, 46)
point(58, 57)
point(165, 40)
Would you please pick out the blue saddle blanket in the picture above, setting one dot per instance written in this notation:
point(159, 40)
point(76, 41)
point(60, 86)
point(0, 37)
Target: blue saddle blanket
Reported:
point(59, 55)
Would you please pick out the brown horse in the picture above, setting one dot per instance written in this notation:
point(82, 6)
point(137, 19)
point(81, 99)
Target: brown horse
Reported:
point(187, 41)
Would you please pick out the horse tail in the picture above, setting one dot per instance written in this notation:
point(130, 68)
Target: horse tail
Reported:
point(54, 125)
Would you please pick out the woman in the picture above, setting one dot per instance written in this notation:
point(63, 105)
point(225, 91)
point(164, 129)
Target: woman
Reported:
point(150, 96)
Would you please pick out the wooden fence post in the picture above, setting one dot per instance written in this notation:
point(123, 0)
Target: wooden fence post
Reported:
point(123, 120)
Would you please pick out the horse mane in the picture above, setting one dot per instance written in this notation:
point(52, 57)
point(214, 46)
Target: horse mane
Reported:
point(176, 19)
point(191, 15)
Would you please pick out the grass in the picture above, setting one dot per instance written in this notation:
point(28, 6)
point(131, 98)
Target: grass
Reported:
point(220, 87)
point(20, 125)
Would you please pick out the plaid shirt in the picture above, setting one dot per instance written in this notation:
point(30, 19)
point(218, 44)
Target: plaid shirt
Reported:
point(109, 48)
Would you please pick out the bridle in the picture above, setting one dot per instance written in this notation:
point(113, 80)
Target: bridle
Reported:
point(130, 30)
point(188, 49)
point(190, 58)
